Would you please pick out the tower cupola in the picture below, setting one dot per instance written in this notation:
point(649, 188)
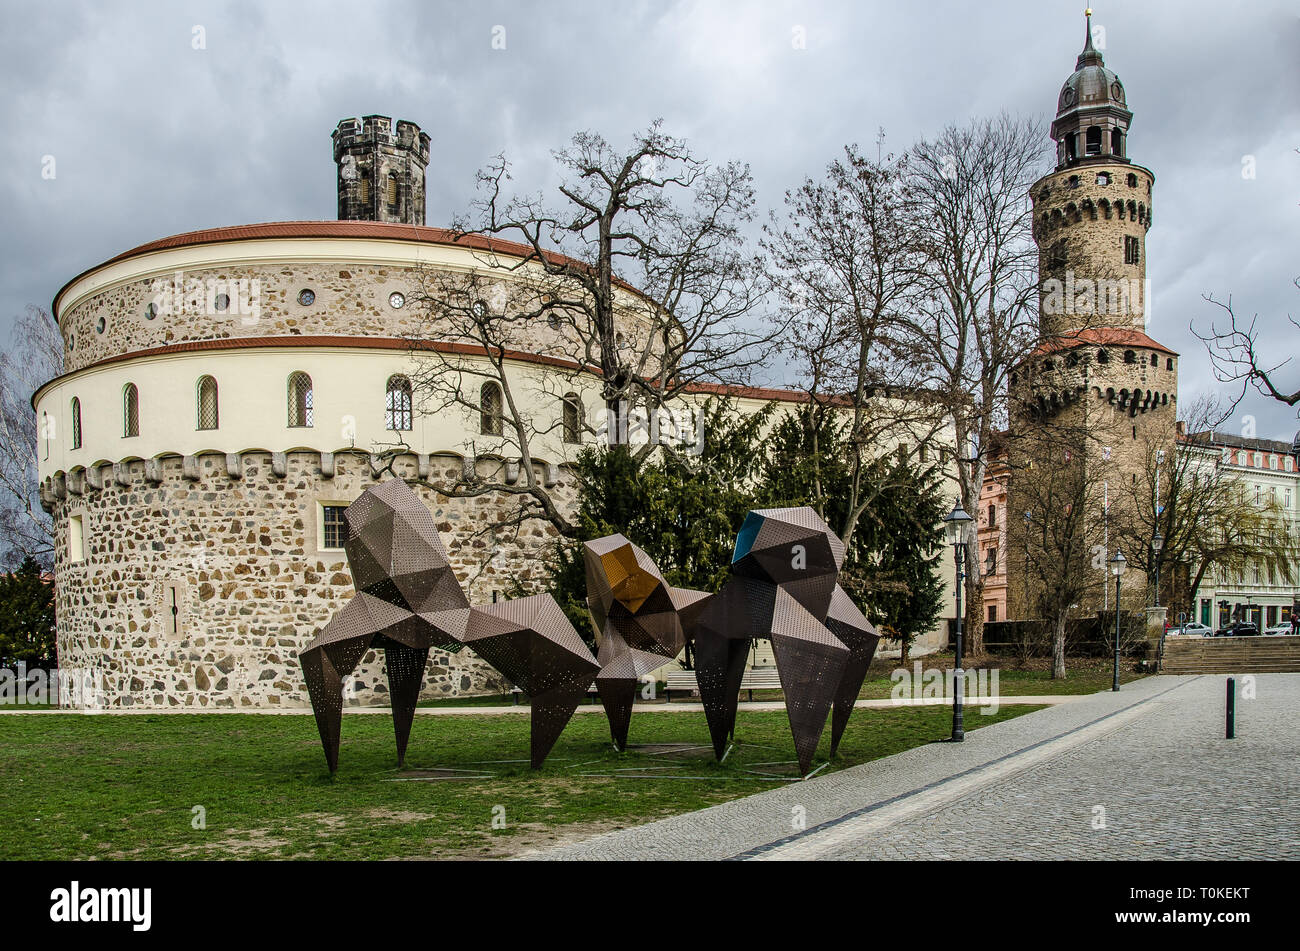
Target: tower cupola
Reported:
point(1092, 118)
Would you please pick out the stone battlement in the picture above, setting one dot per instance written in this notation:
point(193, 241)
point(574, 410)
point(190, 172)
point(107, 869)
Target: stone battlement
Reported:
point(379, 130)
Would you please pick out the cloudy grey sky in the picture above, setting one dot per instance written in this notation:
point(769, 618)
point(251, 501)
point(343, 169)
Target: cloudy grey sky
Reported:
point(152, 137)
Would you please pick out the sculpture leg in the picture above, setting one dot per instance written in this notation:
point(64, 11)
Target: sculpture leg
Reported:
point(847, 622)
point(719, 666)
point(846, 695)
point(617, 694)
point(405, 678)
point(850, 684)
point(811, 665)
point(325, 688)
point(550, 715)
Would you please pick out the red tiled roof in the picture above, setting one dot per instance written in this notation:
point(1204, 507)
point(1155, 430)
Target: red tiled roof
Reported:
point(1102, 336)
point(422, 234)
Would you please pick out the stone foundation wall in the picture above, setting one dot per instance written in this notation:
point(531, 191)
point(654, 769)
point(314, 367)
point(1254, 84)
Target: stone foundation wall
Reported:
point(198, 590)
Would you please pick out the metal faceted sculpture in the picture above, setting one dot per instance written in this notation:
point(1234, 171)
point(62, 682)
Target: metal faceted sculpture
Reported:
point(784, 587)
point(640, 623)
point(408, 600)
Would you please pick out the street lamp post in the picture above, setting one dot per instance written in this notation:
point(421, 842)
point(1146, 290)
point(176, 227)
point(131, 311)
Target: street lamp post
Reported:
point(955, 527)
point(1157, 543)
point(1117, 566)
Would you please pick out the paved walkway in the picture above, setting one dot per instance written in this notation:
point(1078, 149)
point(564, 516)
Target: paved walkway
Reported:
point(1144, 773)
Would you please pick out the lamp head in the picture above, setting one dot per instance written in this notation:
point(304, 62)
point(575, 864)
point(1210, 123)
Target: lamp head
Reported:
point(954, 524)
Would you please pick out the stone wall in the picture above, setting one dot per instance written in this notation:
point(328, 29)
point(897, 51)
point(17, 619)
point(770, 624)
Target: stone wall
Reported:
point(239, 560)
point(350, 300)
point(1082, 216)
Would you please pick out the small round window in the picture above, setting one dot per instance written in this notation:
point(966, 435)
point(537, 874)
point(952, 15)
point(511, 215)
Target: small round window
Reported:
point(553, 320)
point(100, 324)
point(222, 302)
point(396, 300)
point(151, 311)
point(306, 297)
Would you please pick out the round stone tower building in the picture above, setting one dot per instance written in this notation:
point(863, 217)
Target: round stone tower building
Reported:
point(1098, 391)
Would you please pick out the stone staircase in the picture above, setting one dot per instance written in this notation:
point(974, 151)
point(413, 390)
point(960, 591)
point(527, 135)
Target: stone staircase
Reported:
point(1231, 655)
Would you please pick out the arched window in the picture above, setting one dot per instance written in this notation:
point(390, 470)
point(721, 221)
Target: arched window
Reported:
point(572, 418)
point(391, 193)
point(300, 399)
point(490, 409)
point(207, 403)
point(1130, 356)
point(1093, 141)
point(1103, 356)
point(76, 423)
point(1117, 142)
point(130, 410)
point(397, 403)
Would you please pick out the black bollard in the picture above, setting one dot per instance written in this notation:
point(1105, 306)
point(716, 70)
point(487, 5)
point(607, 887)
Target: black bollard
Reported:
point(1232, 709)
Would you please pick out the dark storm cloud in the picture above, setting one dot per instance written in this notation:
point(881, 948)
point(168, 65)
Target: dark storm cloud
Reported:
point(151, 136)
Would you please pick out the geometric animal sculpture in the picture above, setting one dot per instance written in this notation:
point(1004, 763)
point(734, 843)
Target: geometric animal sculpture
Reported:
point(408, 600)
point(640, 622)
point(784, 586)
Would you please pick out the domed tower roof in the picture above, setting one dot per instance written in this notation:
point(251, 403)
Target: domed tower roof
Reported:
point(1092, 117)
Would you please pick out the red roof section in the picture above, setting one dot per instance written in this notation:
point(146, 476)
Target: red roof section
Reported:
point(421, 234)
point(1102, 336)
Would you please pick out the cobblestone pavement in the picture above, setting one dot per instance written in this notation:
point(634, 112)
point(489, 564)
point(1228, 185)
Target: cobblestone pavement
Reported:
point(1141, 774)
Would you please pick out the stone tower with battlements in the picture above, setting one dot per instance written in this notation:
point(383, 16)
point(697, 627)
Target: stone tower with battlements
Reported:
point(1098, 392)
point(381, 170)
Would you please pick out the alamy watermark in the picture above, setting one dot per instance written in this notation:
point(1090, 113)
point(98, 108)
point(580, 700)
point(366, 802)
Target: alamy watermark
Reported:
point(980, 687)
point(208, 297)
point(1093, 297)
point(679, 429)
point(70, 688)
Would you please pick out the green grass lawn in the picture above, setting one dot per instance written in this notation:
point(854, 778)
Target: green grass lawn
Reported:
point(125, 786)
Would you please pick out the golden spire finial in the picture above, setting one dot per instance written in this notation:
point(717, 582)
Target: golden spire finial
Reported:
point(1088, 12)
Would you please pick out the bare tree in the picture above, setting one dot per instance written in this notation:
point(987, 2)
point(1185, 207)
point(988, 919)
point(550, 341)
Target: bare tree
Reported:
point(640, 277)
point(1208, 519)
point(846, 264)
point(1061, 541)
point(1237, 355)
point(34, 356)
point(975, 316)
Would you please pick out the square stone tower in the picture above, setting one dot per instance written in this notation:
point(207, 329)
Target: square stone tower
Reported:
point(381, 170)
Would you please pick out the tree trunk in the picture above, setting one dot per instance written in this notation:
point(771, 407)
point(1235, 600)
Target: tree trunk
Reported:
point(1058, 648)
point(974, 632)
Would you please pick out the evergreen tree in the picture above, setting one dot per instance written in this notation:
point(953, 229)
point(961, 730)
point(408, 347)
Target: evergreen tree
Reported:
point(683, 510)
point(26, 615)
point(891, 564)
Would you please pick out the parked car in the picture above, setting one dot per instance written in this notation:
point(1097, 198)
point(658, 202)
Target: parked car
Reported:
point(1192, 629)
point(1237, 629)
point(1278, 630)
